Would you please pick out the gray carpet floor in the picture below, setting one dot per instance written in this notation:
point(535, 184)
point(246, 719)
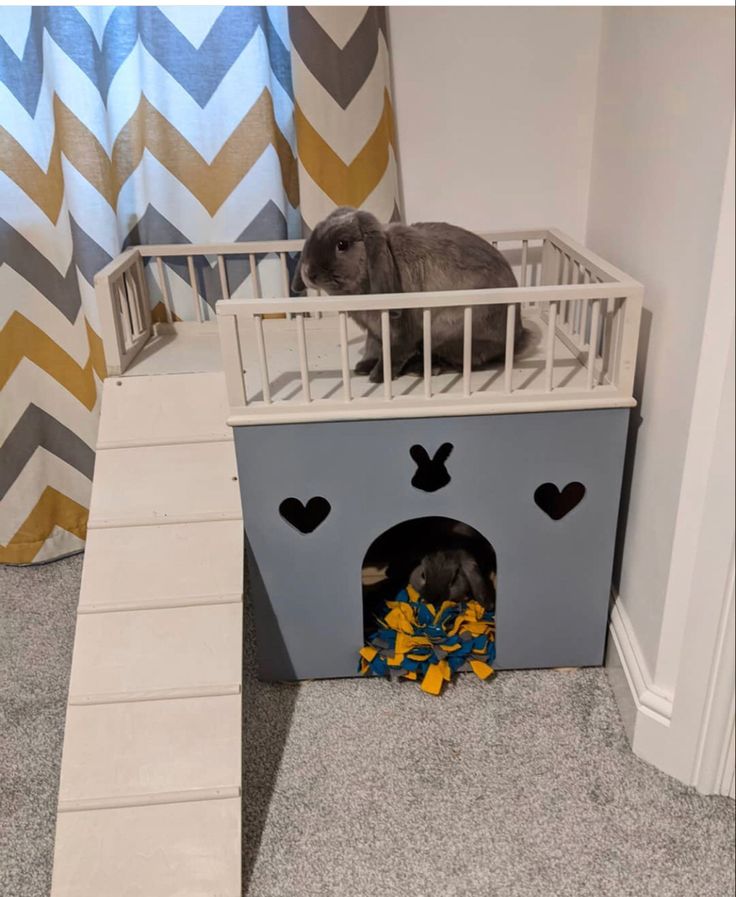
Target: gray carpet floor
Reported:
point(523, 786)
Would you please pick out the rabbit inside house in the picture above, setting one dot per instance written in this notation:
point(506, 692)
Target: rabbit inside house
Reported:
point(453, 575)
point(351, 252)
point(443, 559)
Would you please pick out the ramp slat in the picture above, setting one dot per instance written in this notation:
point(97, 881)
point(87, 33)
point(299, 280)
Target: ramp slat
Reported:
point(186, 849)
point(151, 651)
point(157, 410)
point(152, 565)
point(146, 748)
point(165, 484)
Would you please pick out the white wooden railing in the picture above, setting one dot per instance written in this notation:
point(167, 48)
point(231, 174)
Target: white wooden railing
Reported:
point(124, 295)
point(587, 305)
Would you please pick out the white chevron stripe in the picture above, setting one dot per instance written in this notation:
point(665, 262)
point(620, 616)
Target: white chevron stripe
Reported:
point(76, 91)
point(59, 543)
point(89, 303)
point(52, 240)
point(261, 184)
point(339, 22)
point(316, 205)
point(92, 212)
point(279, 16)
point(97, 18)
point(206, 129)
point(382, 200)
point(15, 22)
point(43, 469)
point(151, 183)
point(29, 384)
point(34, 133)
point(194, 22)
point(19, 295)
point(345, 130)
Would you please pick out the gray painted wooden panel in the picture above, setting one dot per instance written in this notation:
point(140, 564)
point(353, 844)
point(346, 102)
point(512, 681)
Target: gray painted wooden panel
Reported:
point(553, 576)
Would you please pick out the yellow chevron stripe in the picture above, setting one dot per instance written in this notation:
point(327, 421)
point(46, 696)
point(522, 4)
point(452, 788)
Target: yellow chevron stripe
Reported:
point(45, 188)
point(158, 314)
point(84, 151)
point(52, 509)
point(346, 185)
point(96, 352)
point(210, 183)
point(148, 130)
point(20, 339)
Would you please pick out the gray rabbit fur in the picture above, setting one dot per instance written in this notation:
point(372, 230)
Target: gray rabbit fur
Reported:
point(351, 252)
point(443, 559)
point(452, 575)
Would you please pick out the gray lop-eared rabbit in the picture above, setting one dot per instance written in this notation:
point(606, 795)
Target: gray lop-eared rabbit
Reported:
point(351, 252)
point(453, 574)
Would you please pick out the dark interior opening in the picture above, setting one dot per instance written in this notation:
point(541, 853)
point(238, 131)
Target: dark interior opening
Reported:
point(394, 556)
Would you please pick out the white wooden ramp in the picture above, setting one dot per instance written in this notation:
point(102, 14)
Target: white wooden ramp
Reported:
point(149, 797)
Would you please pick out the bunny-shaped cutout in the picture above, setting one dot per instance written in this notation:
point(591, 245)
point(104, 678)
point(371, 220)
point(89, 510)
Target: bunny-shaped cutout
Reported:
point(431, 473)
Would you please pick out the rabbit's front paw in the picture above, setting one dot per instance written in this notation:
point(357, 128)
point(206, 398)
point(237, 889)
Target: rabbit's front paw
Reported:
point(365, 365)
point(376, 374)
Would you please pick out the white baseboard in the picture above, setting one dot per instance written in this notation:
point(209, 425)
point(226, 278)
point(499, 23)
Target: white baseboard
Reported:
point(633, 686)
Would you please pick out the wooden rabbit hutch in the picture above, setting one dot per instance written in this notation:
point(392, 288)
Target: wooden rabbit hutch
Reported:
point(533, 447)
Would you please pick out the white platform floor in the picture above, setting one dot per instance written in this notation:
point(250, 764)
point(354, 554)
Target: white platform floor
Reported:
point(196, 347)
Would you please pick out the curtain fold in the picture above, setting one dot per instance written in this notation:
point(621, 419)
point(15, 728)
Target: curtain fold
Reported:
point(343, 111)
point(129, 125)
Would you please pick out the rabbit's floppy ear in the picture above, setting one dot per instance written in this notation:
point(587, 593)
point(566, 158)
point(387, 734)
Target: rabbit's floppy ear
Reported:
point(415, 577)
point(382, 274)
point(297, 284)
point(480, 588)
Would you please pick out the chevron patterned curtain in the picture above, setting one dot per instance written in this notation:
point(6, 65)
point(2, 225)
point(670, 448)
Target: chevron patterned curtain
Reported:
point(344, 116)
point(128, 125)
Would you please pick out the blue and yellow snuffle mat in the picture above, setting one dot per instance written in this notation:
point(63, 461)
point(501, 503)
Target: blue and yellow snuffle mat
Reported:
point(417, 641)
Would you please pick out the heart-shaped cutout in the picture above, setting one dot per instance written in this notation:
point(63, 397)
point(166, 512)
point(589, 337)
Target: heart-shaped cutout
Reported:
point(555, 503)
point(305, 518)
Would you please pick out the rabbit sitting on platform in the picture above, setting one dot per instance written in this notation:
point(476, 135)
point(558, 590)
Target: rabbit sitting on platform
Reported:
point(351, 252)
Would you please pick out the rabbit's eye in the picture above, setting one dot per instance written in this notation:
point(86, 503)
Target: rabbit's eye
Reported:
point(342, 245)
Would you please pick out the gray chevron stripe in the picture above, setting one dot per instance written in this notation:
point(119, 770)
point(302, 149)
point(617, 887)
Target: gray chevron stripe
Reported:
point(89, 256)
point(153, 227)
point(268, 224)
point(341, 72)
point(62, 290)
point(37, 429)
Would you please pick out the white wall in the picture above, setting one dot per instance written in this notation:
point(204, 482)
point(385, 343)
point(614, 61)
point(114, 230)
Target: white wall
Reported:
point(664, 116)
point(494, 110)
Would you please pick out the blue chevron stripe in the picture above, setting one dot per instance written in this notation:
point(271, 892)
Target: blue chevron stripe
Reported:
point(198, 70)
point(24, 76)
